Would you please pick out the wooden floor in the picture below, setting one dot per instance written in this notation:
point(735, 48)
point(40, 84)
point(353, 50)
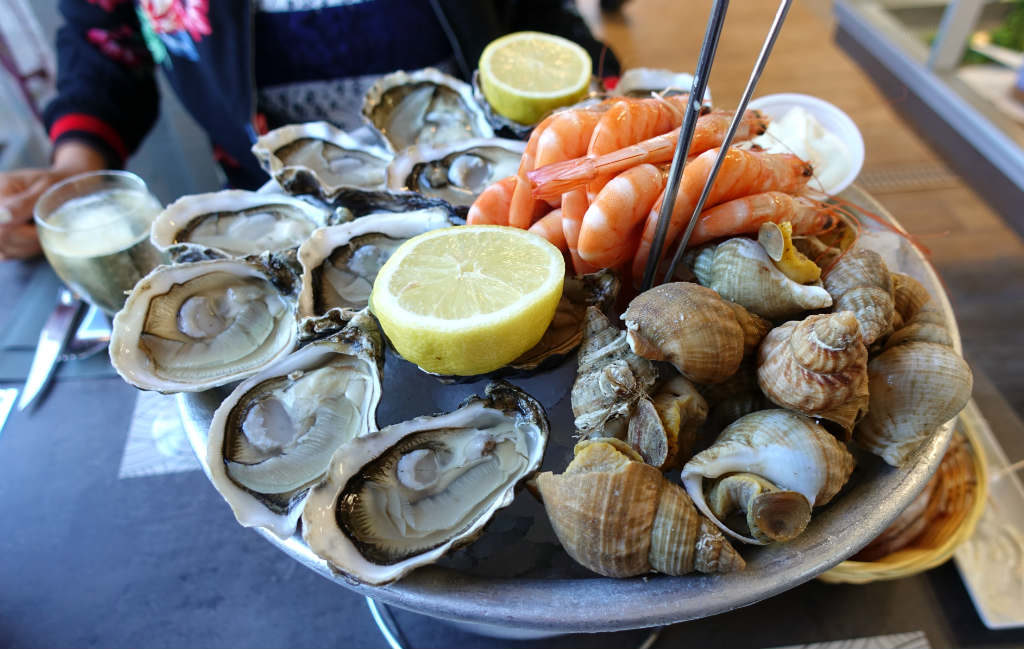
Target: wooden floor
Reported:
point(980, 258)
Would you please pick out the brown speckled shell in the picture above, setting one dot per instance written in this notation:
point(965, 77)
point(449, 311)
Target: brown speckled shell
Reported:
point(622, 518)
point(692, 327)
point(817, 367)
point(908, 296)
point(860, 282)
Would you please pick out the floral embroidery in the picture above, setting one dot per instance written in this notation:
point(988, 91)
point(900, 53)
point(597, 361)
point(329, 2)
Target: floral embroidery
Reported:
point(119, 45)
point(175, 26)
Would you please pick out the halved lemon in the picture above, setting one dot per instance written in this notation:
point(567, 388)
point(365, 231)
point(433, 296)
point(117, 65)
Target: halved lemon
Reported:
point(469, 299)
point(525, 75)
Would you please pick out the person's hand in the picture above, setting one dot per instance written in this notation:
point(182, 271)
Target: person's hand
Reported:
point(20, 189)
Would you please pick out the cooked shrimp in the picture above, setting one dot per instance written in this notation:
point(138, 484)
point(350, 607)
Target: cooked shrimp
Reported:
point(491, 206)
point(574, 206)
point(610, 226)
point(709, 133)
point(743, 173)
point(549, 226)
point(745, 215)
point(559, 137)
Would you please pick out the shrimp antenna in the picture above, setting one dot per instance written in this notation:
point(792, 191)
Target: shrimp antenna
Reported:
point(755, 76)
point(693, 107)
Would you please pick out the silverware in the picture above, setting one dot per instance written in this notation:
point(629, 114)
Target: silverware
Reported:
point(91, 337)
point(52, 341)
point(7, 398)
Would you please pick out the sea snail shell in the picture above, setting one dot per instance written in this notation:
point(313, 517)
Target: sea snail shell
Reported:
point(860, 282)
point(817, 367)
point(741, 271)
point(692, 327)
point(620, 517)
point(788, 450)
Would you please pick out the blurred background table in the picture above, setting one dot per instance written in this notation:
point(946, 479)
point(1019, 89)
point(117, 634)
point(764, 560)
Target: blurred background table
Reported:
point(88, 559)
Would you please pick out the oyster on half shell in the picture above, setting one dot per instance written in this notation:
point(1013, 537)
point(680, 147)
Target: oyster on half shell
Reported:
point(407, 494)
point(273, 437)
point(456, 172)
point(339, 263)
point(195, 326)
point(234, 223)
point(317, 158)
point(425, 107)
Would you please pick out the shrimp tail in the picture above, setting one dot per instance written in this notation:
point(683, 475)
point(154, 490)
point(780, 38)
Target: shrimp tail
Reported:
point(559, 178)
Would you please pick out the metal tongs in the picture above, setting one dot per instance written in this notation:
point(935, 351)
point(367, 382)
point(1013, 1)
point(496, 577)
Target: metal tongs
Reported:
point(700, 82)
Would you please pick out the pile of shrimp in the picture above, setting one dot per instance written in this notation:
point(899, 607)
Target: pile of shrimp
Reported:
point(592, 181)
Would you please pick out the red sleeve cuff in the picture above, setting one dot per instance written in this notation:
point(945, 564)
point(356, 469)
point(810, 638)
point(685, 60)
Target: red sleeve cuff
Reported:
point(91, 125)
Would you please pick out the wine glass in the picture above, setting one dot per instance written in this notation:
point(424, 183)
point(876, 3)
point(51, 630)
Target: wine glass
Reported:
point(94, 231)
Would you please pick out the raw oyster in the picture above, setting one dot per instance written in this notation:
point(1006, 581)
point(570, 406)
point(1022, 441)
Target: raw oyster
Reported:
point(317, 158)
point(425, 107)
point(642, 82)
point(198, 325)
point(357, 203)
point(455, 172)
point(273, 437)
point(406, 495)
point(339, 263)
point(234, 223)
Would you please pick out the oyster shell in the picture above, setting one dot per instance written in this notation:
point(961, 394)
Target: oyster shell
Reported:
point(406, 495)
point(425, 107)
point(456, 172)
point(198, 325)
point(317, 158)
point(339, 263)
point(642, 82)
point(273, 437)
point(234, 224)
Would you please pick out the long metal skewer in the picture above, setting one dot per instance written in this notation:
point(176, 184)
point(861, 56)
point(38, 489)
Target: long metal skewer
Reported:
point(762, 59)
point(700, 84)
point(388, 628)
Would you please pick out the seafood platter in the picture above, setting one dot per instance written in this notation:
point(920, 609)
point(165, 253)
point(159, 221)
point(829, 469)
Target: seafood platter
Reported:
point(654, 457)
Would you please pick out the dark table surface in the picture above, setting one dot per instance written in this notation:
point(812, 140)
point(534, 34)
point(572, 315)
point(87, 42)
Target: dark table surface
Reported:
point(91, 560)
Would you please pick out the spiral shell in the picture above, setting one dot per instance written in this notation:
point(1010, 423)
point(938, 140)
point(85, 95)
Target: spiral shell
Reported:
point(729, 400)
point(860, 282)
point(663, 428)
point(609, 380)
point(788, 450)
point(908, 296)
point(772, 515)
point(817, 367)
point(927, 325)
point(741, 271)
point(692, 327)
point(915, 387)
point(620, 518)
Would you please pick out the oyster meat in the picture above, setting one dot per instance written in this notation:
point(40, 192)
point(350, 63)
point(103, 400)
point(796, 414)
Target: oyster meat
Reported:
point(425, 107)
point(234, 223)
point(317, 158)
point(407, 494)
point(195, 326)
point(455, 172)
point(274, 435)
point(339, 263)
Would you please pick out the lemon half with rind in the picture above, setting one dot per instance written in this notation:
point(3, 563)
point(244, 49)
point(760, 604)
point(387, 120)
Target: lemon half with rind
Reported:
point(470, 299)
point(526, 75)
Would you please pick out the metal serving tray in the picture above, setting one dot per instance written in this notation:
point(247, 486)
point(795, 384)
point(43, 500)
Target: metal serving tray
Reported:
point(516, 581)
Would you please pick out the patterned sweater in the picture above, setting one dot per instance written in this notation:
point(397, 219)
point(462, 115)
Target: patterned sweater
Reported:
point(243, 66)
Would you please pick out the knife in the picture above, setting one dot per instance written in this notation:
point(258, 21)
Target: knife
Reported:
point(52, 340)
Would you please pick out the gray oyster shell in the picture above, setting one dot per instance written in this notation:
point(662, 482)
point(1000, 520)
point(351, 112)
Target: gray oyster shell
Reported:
point(198, 325)
point(410, 493)
point(424, 107)
point(317, 158)
point(339, 263)
point(234, 224)
point(273, 437)
point(455, 172)
point(642, 82)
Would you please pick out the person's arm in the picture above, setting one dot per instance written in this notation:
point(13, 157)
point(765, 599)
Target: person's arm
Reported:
point(106, 102)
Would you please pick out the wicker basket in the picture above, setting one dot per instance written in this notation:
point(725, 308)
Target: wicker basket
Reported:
point(936, 544)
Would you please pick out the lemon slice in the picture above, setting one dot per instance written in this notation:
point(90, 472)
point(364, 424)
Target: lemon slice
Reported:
point(470, 299)
point(525, 75)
